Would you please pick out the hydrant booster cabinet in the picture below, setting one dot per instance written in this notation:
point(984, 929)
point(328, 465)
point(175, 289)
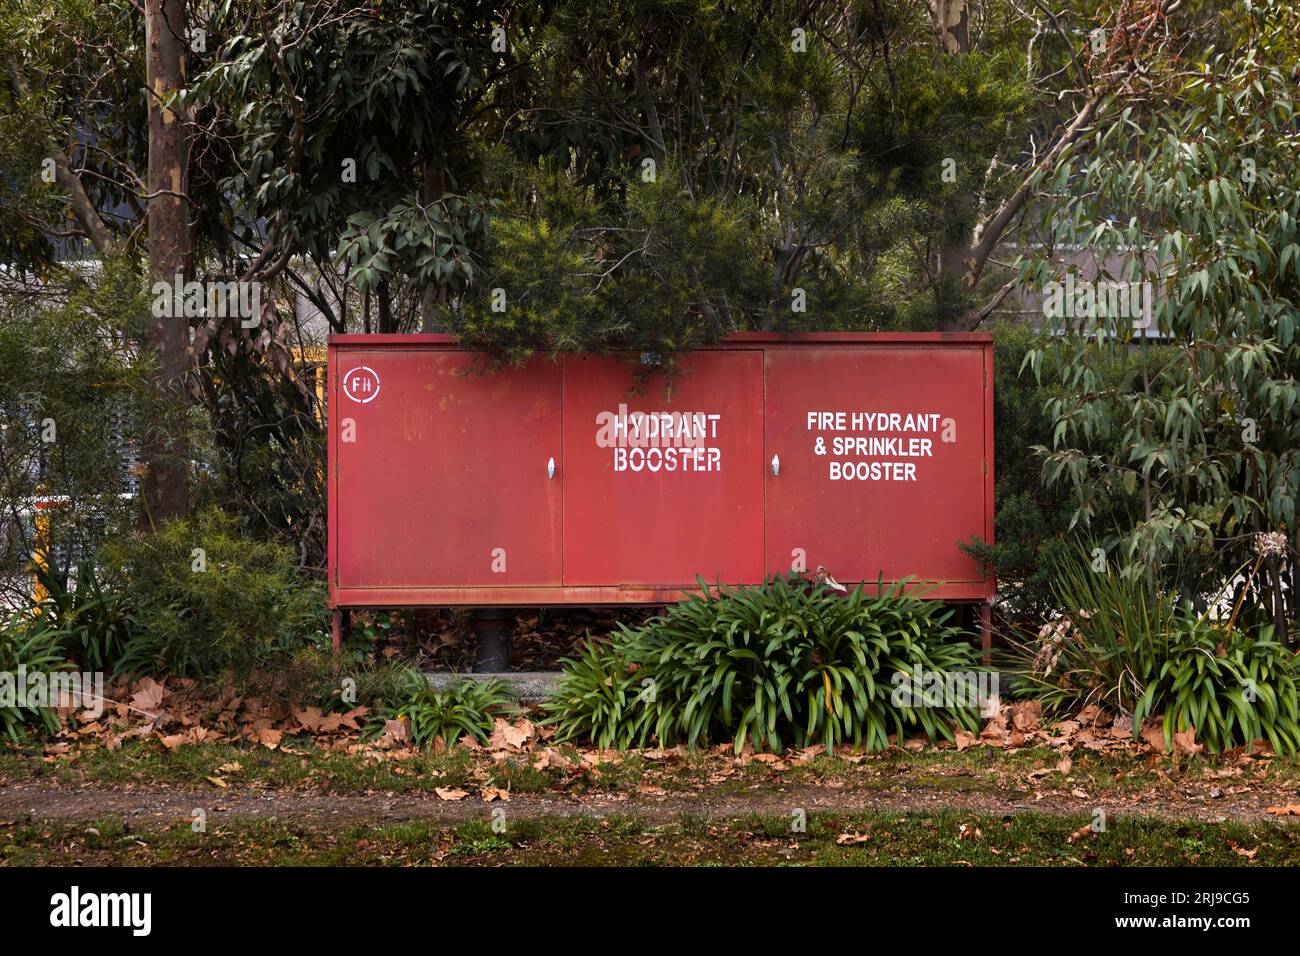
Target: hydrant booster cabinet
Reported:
point(562, 482)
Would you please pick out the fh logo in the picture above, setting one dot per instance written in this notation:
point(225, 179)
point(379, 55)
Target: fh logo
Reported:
point(361, 384)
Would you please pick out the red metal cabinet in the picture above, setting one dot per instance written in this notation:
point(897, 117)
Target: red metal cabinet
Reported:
point(441, 494)
point(881, 462)
point(666, 484)
point(443, 470)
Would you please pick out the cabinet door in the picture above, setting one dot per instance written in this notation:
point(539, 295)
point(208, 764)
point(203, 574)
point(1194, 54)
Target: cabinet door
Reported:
point(881, 462)
point(445, 481)
point(665, 484)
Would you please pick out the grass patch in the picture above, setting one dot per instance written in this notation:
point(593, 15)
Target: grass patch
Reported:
point(303, 765)
point(877, 839)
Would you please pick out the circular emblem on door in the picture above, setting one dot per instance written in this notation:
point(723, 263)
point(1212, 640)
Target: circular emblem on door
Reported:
point(361, 384)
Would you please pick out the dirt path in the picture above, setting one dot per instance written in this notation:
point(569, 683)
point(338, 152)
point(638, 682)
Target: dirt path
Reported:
point(159, 806)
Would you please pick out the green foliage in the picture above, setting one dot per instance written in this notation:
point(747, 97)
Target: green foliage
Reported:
point(669, 273)
point(600, 697)
point(24, 199)
point(785, 664)
point(1201, 200)
point(247, 606)
point(315, 676)
point(1126, 646)
point(1032, 523)
point(265, 452)
point(430, 245)
point(92, 623)
point(336, 131)
point(29, 644)
point(1231, 687)
point(1112, 638)
point(81, 61)
point(689, 210)
point(66, 375)
point(661, 216)
point(465, 706)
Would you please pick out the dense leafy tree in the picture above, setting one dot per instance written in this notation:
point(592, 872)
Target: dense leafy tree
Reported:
point(1034, 525)
point(1199, 198)
point(640, 174)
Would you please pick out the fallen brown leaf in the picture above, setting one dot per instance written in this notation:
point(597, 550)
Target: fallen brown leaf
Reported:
point(1080, 833)
point(148, 695)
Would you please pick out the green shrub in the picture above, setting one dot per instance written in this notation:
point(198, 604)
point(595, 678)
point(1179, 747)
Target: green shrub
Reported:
point(1231, 687)
point(26, 643)
point(783, 664)
point(1032, 522)
point(236, 603)
point(1125, 645)
point(91, 622)
point(464, 706)
point(314, 676)
point(1109, 641)
point(599, 697)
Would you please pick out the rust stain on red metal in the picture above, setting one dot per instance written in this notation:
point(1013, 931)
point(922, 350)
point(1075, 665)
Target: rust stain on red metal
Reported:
point(868, 454)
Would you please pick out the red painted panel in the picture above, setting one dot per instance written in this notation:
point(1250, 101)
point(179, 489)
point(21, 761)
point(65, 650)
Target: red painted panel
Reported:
point(445, 468)
point(446, 482)
point(863, 495)
point(653, 516)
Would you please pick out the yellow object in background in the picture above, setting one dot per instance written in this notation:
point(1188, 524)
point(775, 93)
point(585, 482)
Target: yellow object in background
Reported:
point(41, 557)
point(311, 360)
point(41, 546)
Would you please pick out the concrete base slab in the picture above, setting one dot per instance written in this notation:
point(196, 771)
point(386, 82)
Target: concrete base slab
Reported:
point(529, 687)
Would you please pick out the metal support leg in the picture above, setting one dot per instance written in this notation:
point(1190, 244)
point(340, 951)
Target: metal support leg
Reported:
point(340, 626)
point(492, 626)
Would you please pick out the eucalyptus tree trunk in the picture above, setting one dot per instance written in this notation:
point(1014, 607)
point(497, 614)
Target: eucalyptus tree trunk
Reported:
point(951, 20)
point(165, 486)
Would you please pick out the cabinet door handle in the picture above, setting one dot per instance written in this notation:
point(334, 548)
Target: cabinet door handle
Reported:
point(776, 465)
point(550, 468)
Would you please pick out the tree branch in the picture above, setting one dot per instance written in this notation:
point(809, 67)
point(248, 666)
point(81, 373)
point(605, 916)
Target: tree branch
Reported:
point(87, 215)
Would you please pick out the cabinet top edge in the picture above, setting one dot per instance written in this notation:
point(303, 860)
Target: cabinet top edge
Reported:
point(735, 341)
